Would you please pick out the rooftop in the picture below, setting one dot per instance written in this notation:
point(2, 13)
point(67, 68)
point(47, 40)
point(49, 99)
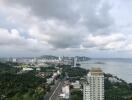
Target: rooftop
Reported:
point(96, 71)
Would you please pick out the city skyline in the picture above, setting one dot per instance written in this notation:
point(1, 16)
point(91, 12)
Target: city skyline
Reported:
point(93, 28)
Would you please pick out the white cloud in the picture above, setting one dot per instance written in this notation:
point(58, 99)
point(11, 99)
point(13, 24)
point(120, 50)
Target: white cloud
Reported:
point(128, 47)
point(13, 39)
point(7, 38)
point(113, 41)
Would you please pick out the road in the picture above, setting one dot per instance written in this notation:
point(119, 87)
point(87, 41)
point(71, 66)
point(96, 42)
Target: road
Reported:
point(55, 91)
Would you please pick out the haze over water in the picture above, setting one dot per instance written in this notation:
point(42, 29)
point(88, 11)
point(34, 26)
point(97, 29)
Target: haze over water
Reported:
point(121, 68)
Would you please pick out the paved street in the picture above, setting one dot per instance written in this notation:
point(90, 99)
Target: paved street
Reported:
point(55, 91)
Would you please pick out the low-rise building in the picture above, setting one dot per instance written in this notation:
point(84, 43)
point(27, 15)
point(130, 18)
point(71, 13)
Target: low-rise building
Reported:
point(113, 80)
point(50, 80)
point(65, 92)
point(27, 69)
point(76, 85)
point(38, 69)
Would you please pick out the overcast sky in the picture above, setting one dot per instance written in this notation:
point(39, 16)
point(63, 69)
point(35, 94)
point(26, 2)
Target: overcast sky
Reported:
point(94, 28)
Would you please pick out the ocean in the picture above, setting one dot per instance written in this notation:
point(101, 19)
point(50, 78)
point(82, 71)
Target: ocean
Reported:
point(122, 68)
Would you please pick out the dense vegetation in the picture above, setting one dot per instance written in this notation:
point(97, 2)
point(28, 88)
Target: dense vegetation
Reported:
point(76, 95)
point(7, 67)
point(117, 90)
point(48, 69)
point(74, 71)
point(15, 86)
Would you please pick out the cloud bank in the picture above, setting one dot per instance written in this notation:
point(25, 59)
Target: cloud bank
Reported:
point(61, 25)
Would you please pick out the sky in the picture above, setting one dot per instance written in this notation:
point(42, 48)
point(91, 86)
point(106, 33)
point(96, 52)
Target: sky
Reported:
point(94, 28)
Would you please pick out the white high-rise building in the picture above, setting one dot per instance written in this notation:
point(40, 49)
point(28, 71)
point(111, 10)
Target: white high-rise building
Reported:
point(75, 61)
point(93, 88)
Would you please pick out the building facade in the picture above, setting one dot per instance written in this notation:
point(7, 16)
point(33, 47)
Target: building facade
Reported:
point(74, 61)
point(93, 88)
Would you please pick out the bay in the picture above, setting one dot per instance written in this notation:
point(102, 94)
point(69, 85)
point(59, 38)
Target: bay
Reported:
point(121, 68)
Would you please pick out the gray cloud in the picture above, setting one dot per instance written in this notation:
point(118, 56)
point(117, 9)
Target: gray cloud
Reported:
point(97, 16)
point(50, 9)
point(66, 24)
point(59, 36)
point(66, 40)
point(94, 14)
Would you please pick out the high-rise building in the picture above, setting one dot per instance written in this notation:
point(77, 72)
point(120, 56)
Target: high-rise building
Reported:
point(93, 88)
point(74, 61)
